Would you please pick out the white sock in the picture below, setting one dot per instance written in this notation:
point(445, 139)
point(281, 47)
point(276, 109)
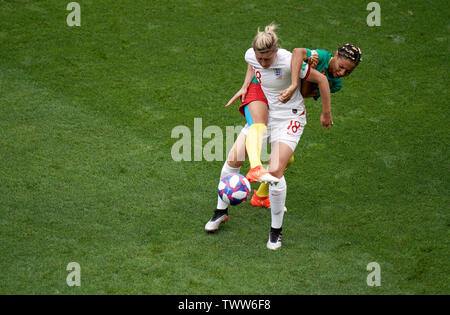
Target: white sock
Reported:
point(226, 170)
point(277, 194)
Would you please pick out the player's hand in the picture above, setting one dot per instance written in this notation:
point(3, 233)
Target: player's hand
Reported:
point(326, 120)
point(286, 95)
point(240, 94)
point(314, 59)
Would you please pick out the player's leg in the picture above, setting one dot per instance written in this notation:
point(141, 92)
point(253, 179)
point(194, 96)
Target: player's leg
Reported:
point(235, 159)
point(285, 134)
point(281, 153)
point(254, 107)
point(257, 113)
point(261, 196)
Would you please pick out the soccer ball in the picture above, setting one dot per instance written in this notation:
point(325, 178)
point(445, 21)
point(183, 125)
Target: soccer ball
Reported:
point(234, 189)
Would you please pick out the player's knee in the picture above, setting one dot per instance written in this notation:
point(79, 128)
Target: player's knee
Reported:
point(236, 157)
point(276, 168)
point(234, 163)
point(277, 172)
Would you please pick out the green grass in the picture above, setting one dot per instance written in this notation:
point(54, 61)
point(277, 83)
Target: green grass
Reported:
point(86, 115)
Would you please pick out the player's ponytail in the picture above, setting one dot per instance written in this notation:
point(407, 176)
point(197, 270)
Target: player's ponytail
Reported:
point(266, 40)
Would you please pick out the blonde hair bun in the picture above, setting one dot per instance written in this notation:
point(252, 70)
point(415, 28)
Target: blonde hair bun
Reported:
point(266, 40)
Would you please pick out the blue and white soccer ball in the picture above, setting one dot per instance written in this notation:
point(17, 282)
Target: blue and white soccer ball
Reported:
point(234, 189)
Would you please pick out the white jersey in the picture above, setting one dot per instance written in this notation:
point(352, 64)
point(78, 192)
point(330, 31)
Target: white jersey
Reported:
point(276, 79)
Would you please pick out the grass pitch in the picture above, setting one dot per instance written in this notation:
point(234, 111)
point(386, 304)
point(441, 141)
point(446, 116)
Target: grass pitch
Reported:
point(86, 115)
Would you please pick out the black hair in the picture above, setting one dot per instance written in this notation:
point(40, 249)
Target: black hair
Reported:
point(350, 52)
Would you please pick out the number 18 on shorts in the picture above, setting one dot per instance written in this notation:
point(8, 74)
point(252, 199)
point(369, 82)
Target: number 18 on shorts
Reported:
point(287, 131)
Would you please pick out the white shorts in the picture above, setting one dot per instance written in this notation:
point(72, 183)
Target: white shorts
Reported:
point(287, 130)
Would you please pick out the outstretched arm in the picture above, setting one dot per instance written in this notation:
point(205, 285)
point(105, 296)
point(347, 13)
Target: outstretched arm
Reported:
point(243, 91)
point(326, 120)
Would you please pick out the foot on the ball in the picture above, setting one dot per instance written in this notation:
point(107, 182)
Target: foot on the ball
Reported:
point(260, 174)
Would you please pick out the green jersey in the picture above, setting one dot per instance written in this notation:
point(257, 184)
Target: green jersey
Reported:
point(322, 67)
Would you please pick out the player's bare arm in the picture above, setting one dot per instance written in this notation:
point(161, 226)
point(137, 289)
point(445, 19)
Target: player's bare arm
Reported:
point(326, 120)
point(243, 91)
point(298, 56)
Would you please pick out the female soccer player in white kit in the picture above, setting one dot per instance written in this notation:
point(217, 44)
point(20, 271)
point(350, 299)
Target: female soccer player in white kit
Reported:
point(286, 121)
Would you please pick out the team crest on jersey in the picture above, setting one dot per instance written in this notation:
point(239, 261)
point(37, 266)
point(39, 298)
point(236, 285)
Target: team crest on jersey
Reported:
point(277, 72)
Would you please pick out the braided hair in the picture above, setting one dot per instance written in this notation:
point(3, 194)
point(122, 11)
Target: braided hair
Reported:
point(350, 52)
